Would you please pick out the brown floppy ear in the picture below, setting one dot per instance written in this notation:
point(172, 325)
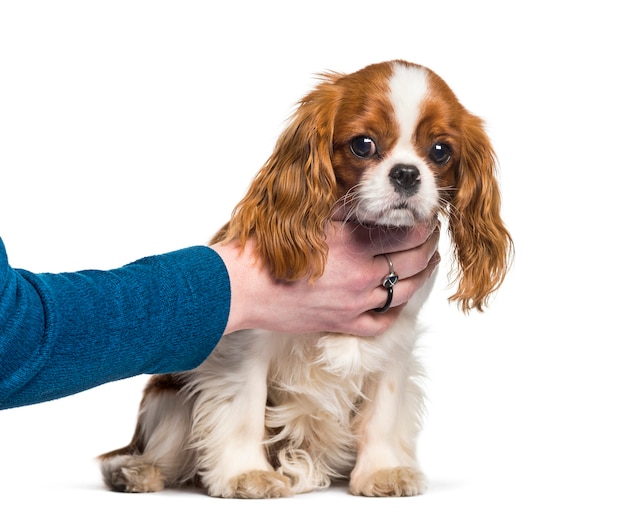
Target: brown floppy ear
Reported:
point(288, 204)
point(482, 245)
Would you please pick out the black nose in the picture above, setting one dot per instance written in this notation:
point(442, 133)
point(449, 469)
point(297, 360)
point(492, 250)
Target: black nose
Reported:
point(405, 178)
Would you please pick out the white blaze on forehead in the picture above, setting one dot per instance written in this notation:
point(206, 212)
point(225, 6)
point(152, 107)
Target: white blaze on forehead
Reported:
point(408, 87)
point(379, 200)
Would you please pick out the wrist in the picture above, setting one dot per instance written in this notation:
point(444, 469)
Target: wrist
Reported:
point(246, 280)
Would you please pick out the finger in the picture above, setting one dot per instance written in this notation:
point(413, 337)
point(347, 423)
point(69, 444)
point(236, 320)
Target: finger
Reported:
point(420, 264)
point(373, 323)
point(406, 288)
point(410, 262)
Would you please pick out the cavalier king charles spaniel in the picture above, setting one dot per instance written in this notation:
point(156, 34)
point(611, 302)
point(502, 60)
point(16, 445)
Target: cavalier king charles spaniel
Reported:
point(269, 414)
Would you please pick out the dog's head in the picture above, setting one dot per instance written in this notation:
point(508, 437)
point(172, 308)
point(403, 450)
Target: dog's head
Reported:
point(388, 145)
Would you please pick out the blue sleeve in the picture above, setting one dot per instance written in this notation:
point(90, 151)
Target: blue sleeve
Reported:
point(65, 333)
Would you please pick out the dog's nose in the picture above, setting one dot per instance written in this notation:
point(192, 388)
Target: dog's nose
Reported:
point(405, 178)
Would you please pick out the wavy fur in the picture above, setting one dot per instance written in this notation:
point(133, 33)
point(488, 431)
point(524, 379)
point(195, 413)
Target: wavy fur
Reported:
point(482, 244)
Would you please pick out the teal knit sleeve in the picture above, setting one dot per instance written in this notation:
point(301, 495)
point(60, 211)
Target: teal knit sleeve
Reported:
point(65, 333)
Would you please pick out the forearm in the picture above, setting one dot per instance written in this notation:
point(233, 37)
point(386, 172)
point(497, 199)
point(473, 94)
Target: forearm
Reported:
point(63, 333)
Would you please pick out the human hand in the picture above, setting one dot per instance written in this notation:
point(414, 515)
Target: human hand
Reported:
point(342, 299)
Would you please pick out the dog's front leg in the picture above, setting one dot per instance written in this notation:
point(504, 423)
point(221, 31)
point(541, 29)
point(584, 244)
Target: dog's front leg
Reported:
point(229, 422)
point(386, 429)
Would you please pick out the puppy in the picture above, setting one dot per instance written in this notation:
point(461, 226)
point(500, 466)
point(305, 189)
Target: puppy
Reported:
point(271, 415)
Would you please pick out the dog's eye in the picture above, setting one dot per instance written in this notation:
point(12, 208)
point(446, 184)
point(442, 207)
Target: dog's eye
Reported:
point(440, 153)
point(363, 147)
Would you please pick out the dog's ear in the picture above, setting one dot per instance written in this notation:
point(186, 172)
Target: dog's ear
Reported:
point(288, 204)
point(482, 245)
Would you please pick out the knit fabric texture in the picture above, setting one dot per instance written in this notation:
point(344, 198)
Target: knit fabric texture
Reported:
point(65, 333)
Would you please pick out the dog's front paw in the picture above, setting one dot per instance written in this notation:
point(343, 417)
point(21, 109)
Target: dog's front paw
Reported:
point(258, 484)
point(398, 481)
point(126, 474)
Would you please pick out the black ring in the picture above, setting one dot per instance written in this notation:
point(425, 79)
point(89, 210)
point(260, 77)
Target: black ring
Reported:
point(389, 281)
point(387, 304)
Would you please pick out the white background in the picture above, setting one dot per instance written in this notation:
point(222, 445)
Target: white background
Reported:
point(131, 128)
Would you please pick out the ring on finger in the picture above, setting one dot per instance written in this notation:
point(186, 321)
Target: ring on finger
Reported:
point(388, 282)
